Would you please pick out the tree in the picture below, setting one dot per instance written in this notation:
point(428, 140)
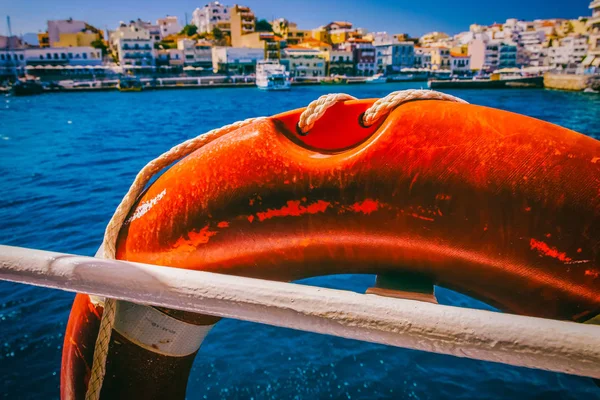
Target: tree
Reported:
point(189, 30)
point(570, 28)
point(99, 44)
point(262, 25)
point(217, 33)
point(220, 38)
point(283, 27)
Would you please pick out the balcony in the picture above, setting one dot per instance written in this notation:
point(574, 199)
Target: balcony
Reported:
point(595, 4)
point(137, 55)
point(594, 20)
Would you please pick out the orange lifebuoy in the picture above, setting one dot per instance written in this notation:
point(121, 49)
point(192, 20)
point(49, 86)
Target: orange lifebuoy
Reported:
point(493, 204)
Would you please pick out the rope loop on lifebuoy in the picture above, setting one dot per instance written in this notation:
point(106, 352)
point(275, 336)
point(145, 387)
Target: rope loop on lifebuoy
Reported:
point(316, 109)
point(387, 104)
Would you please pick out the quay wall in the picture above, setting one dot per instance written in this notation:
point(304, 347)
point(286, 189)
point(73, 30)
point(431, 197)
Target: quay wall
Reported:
point(567, 81)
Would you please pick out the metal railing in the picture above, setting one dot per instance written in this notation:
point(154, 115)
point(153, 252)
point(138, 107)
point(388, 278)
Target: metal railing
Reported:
point(550, 345)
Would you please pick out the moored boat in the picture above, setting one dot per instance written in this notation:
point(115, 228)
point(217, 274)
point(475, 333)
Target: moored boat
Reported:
point(271, 75)
point(129, 84)
point(334, 80)
point(27, 87)
point(400, 78)
point(377, 78)
point(517, 82)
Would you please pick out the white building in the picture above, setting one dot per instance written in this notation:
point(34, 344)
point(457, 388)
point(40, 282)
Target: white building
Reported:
point(341, 62)
point(15, 61)
point(209, 16)
point(570, 50)
point(460, 64)
point(236, 60)
point(63, 56)
point(305, 62)
point(56, 27)
point(530, 51)
point(12, 62)
point(422, 57)
point(393, 55)
point(169, 57)
point(196, 53)
point(134, 45)
point(593, 23)
point(153, 29)
point(168, 26)
point(490, 55)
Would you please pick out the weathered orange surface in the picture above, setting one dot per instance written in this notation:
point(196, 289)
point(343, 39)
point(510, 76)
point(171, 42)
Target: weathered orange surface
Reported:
point(496, 205)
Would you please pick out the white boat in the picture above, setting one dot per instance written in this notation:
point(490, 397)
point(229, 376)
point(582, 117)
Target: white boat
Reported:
point(400, 78)
point(377, 78)
point(271, 75)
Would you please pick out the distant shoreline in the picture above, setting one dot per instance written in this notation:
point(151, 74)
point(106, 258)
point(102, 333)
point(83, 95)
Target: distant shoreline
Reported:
point(220, 85)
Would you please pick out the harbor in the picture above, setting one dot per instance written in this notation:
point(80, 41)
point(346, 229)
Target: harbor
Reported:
point(205, 54)
point(547, 80)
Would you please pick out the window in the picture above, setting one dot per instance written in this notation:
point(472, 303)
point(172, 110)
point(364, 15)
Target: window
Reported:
point(41, 56)
point(70, 55)
point(1, 56)
point(63, 56)
point(56, 56)
point(21, 57)
point(49, 56)
point(84, 55)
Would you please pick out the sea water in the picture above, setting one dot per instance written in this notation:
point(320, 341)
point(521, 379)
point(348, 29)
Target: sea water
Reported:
point(67, 159)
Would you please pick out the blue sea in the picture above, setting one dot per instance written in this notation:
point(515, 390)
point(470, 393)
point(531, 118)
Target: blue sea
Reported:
point(67, 159)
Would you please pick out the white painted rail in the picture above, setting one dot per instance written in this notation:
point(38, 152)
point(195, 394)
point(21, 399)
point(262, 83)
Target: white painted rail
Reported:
point(510, 339)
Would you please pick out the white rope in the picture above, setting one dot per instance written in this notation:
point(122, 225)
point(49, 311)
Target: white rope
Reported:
point(308, 118)
point(151, 169)
point(387, 104)
point(316, 109)
point(382, 107)
point(114, 226)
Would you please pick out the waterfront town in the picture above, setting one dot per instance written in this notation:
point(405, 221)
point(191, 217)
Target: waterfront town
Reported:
point(229, 40)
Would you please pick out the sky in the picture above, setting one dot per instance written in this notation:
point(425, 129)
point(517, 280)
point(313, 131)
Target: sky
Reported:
point(415, 17)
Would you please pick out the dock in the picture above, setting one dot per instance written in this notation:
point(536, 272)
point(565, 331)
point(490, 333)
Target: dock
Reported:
point(527, 82)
